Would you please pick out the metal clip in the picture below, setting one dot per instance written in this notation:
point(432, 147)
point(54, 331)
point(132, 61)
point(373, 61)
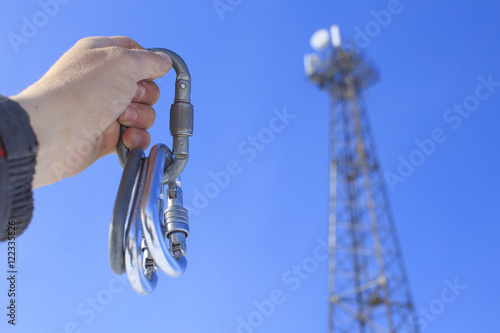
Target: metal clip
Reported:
point(181, 120)
point(139, 227)
point(153, 219)
point(122, 216)
point(133, 250)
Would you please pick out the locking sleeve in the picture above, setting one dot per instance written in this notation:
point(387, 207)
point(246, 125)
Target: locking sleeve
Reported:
point(17, 167)
point(181, 127)
point(176, 222)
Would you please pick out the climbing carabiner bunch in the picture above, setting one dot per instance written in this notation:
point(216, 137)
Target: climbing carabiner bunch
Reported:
point(140, 227)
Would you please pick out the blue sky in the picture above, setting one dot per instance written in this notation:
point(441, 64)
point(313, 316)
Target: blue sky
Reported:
point(270, 214)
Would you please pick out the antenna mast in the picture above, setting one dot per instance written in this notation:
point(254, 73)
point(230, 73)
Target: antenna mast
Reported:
point(367, 283)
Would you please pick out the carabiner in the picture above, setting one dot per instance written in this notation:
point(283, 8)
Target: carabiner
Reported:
point(122, 210)
point(133, 251)
point(181, 119)
point(139, 226)
point(153, 219)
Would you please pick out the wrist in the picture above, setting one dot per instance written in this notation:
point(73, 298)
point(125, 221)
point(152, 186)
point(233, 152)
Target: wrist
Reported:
point(33, 109)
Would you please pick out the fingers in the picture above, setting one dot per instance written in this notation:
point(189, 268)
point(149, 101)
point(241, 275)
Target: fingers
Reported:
point(138, 118)
point(128, 63)
point(135, 137)
point(119, 41)
point(125, 42)
point(138, 115)
point(147, 93)
point(146, 65)
point(150, 65)
point(132, 138)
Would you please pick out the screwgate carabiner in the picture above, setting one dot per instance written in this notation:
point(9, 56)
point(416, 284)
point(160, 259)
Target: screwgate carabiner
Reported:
point(139, 227)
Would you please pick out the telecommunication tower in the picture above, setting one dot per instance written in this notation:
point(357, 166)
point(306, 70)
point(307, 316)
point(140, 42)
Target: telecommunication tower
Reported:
point(367, 284)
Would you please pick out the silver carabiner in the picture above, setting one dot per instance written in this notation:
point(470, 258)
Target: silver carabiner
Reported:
point(153, 220)
point(138, 227)
point(122, 210)
point(149, 226)
point(181, 119)
point(133, 249)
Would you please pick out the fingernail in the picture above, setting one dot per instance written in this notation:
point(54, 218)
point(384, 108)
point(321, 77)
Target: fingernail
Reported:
point(130, 114)
point(165, 57)
point(140, 92)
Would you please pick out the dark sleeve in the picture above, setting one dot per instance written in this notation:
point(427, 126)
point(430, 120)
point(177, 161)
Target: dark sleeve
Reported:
point(17, 167)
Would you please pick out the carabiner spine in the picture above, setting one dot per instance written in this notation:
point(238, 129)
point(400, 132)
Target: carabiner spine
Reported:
point(133, 249)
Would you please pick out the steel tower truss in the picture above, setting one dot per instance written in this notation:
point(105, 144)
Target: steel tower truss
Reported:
point(368, 286)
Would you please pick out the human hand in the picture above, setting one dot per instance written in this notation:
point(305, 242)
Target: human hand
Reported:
point(77, 107)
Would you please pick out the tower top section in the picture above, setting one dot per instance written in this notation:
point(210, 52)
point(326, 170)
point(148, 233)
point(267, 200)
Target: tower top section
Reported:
point(335, 68)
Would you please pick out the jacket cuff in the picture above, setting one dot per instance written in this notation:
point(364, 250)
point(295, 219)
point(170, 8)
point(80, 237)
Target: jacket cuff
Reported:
point(17, 167)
